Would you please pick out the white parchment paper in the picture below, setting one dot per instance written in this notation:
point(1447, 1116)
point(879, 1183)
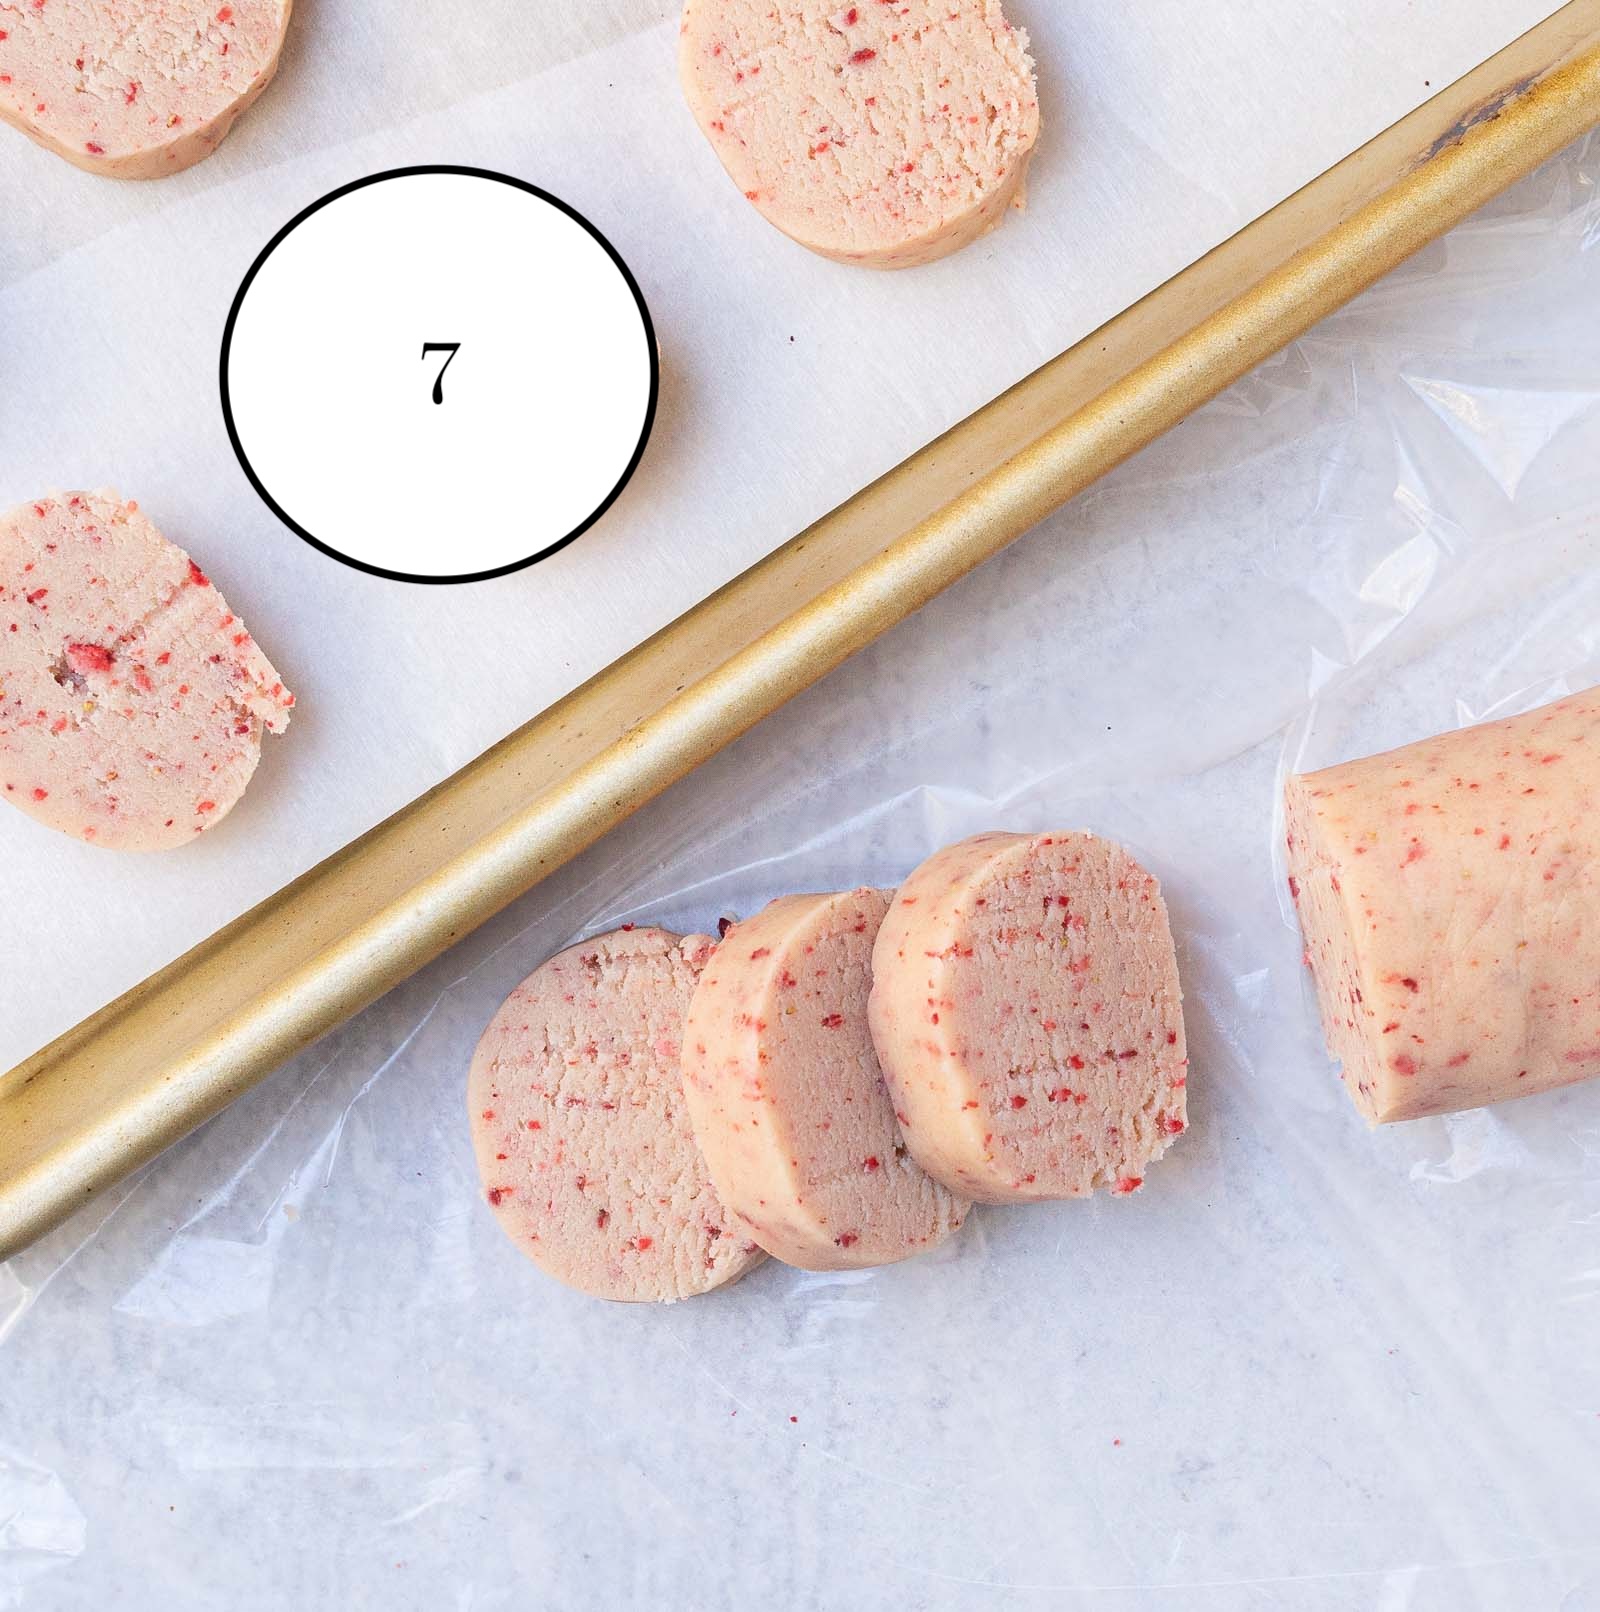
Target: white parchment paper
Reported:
point(788, 382)
point(1308, 1368)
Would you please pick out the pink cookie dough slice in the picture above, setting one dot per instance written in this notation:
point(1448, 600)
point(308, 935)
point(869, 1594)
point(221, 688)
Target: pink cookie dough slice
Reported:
point(583, 1138)
point(884, 133)
point(1027, 1013)
point(1449, 894)
point(135, 88)
point(132, 699)
point(787, 1098)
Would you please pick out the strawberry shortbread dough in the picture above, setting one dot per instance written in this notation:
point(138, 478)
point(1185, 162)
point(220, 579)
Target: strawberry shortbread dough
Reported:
point(1449, 893)
point(135, 88)
point(1026, 1010)
point(132, 699)
point(886, 133)
point(584, 1142)
point(788, 1100)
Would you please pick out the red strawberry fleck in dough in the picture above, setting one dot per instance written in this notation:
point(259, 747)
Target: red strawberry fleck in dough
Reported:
point(1449, 893)
point(583, 1139)
point(1027, 1013)
point(787, 1098)
point(887, 133)
point(135, 88)
point(132, 698)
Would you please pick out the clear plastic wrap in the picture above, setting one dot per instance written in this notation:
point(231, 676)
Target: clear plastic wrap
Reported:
point(294, 1363)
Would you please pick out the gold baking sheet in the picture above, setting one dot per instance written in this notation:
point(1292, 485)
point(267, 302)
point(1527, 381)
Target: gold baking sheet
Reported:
point(121, 1086)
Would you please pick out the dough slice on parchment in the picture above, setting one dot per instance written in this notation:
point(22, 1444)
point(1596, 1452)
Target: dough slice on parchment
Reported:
point(135, 89)
point(132, 699)
point(885, 134)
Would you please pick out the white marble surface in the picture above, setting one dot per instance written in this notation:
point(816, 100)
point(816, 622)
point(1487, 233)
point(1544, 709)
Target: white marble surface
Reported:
point(294, 1364)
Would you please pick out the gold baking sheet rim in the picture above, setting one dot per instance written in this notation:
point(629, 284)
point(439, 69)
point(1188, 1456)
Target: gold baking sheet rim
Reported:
point(112, 1093)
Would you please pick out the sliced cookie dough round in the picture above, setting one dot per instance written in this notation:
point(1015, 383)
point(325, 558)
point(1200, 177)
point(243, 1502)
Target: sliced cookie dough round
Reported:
point(787, 1098)
point(138, 89)
point(1027, 1013)
point(886, 133)
point(132, 699)
point(583, 1139)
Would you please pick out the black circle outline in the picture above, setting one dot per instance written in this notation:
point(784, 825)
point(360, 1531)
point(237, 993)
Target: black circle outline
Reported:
point(470, 173)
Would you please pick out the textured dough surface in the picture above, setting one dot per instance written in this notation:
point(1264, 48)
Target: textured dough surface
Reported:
point(583, 1139)
point(1027, 1013)
point(135, 88)
point(132, 699)
point(881, 133)
point(787, 1098)
point(1449, 893)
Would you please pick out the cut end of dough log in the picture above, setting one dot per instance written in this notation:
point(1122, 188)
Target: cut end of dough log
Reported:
point(1449, 894)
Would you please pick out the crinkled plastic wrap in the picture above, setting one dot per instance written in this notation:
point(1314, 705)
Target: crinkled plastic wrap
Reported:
point(295, 1363)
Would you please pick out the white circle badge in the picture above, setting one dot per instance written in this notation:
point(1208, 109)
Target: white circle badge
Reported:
point(439, 374)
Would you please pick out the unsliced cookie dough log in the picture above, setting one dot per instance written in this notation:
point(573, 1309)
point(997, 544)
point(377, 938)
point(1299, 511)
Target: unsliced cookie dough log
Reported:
point(887, 134)
point(788, 1101)
point(132, 699)
point(135, 88)
point(1449, 893)
point(583, 1139)
point(1026, 1011)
